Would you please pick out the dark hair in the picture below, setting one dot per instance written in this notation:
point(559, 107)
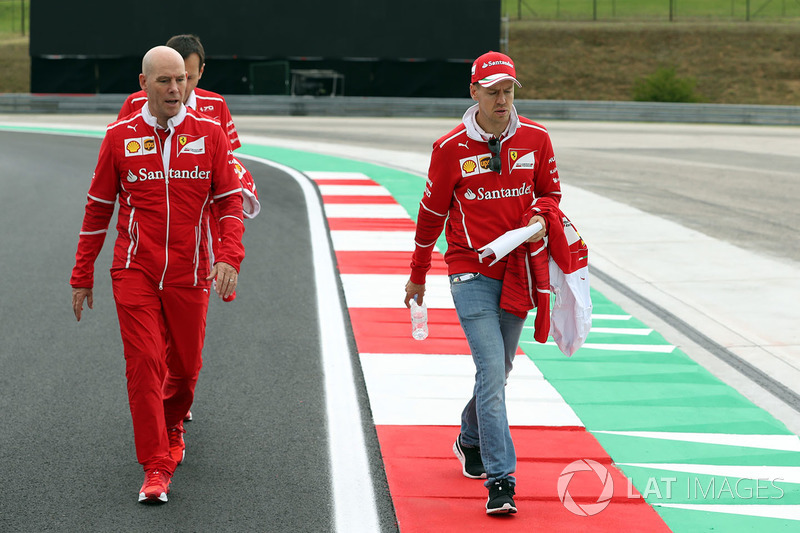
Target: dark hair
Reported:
point(186, 45)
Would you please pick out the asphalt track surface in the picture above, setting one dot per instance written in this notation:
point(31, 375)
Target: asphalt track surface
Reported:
point(258, 445)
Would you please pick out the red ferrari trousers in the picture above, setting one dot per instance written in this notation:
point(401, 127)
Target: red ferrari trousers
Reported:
point(162, 336)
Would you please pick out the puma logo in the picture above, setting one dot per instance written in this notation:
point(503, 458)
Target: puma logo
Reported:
point(133, 127)
point(464, 144)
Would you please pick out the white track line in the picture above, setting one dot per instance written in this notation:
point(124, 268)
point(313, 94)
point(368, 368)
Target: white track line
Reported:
point(348, 453)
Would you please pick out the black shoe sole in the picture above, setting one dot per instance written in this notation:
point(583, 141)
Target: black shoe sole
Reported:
point(502, 510)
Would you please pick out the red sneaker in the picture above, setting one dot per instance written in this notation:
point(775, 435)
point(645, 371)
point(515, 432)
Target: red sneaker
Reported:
point(188, 417)
point(155, 487)
point(177, 448)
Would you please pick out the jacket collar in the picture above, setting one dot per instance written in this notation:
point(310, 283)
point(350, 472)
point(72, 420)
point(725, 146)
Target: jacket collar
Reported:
point(474, 131)
point(171, 123)
point(192, 100)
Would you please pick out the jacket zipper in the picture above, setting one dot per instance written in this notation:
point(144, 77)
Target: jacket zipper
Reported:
point(165, 155)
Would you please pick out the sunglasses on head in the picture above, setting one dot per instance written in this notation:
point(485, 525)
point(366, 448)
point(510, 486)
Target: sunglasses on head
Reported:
point(494, 163)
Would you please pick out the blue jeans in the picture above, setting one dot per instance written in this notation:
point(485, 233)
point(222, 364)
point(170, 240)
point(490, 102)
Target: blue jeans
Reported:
point(493, 336)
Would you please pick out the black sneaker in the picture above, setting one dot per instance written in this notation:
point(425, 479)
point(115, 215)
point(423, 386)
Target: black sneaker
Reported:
point(471, 464)
point(501, 498)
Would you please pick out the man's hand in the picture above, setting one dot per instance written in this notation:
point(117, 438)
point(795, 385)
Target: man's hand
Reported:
point(78, 296)
point(227, 278)
point(539, 235)
point(412, 289)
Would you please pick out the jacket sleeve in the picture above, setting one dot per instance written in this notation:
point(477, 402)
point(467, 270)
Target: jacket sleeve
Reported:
point(250, 204)
point(226, 121)
point(546, 180)
point(99, 209)
point(432, 215)
point(226, 191)
point(546, 185)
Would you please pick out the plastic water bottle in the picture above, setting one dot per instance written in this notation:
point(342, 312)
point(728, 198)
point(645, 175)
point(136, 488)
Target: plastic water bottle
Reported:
point(419, 320)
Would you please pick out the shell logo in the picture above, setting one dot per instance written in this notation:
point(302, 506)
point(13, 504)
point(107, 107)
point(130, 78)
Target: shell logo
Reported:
point(133, 147)
point(469, 166)
point(149, 144)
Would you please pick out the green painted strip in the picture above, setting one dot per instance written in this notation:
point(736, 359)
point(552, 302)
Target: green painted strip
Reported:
point(60, 131)
point(680, 520)
point(649, 450)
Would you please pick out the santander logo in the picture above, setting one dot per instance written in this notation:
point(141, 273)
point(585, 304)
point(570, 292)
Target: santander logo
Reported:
point(497, 194)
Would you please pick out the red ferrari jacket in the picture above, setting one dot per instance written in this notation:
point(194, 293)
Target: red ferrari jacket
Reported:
point(477, 203)
point(527, 280)
point(208, 103)
point(164, 185)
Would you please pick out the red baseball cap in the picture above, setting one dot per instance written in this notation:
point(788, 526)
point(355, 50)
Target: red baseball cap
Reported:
point(493, 67)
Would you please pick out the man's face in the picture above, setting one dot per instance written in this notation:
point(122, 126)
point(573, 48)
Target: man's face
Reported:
point(494, 105)
point(194, 71)
point(165, 85)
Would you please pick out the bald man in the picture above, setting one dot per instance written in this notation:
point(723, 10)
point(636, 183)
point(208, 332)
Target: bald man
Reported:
point(164, 165)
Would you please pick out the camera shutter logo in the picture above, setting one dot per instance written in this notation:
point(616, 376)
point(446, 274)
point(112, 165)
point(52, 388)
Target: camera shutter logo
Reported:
point(586, 509)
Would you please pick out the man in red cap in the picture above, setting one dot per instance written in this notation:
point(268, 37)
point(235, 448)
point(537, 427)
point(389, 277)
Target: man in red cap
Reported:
point(493, 173)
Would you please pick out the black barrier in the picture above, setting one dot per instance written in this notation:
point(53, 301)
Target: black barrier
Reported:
point(374, 47)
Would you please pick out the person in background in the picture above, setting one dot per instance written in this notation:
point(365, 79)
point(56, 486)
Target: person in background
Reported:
point(206, 102)
point(493, 173)
point(163, 165)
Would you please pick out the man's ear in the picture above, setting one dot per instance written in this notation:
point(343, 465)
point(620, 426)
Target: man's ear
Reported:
point(473, 92)
point(202, 68)
point(143, 82)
